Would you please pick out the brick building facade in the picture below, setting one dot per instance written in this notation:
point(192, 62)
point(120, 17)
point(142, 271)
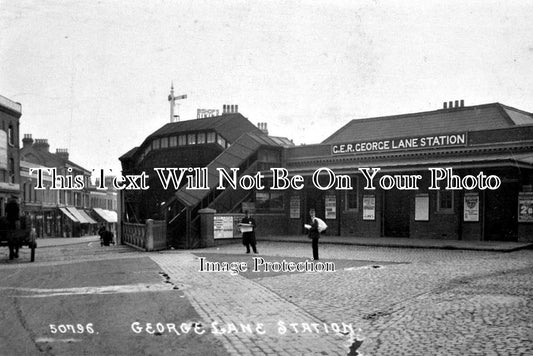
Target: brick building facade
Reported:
point(10, 113)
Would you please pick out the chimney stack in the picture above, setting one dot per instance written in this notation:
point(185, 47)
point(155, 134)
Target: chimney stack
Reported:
point(41, 144)
point(62, 153)
point(230, 109)
point(27, 141)
point(450, 104)
point(263, 127)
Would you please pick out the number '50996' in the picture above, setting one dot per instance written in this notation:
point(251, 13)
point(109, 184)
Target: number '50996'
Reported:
point(72, 328)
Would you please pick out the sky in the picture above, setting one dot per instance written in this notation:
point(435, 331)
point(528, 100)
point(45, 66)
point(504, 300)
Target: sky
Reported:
point(94, 76)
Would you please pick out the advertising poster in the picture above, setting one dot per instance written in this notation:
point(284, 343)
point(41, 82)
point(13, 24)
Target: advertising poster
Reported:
point(331, 206)
point(471, 207)
point(369, 207)
point(223, 227)
point(525, 207)
point(135, 137)
point(295, 206)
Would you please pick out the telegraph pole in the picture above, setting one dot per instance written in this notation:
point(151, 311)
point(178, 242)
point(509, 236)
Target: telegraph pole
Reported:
point(172, 99)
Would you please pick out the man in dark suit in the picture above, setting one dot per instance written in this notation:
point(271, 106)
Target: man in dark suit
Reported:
point(248, 238)
point(314, 233)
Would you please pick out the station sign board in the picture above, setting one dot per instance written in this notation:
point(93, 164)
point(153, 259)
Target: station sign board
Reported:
point(401, 144)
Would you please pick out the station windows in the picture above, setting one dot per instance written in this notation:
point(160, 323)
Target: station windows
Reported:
point(445, 200)
point(191, 139)
point(164, 142)
point(156, 144)
point(182, 140)
point(211, 137)
point(201, 138)
point(351, 197)
point(173, 141)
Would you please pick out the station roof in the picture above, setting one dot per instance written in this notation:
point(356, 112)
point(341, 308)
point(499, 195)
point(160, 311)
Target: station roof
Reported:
point(466, 118)
point(231, 126)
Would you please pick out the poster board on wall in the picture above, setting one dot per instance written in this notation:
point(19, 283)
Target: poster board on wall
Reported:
point(471, 207)
point(295, 207)
point(331, 207)
point(422, 207)
point(369, 207)
point(525, 207)
point(223, 227)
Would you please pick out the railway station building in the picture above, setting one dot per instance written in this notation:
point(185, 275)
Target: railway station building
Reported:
point(458, 172)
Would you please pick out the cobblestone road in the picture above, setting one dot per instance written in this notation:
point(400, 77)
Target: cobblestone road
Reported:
point(434, 302)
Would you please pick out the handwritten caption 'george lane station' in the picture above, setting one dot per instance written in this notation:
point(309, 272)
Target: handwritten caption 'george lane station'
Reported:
point(323, 178)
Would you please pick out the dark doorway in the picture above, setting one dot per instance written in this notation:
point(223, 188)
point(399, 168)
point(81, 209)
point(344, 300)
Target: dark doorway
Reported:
point(397, 213)
point(501, 209)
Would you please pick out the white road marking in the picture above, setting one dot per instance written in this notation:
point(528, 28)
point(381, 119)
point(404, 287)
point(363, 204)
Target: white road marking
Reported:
point(130, 288)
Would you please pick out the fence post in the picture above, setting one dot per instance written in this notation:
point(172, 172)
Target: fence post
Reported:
point(207, 227)
point(149, 237)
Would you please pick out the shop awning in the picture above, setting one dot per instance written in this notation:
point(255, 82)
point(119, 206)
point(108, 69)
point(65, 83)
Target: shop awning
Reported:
point(107, 215)
point(68, 215)
point(87, 217)
point(76, 213)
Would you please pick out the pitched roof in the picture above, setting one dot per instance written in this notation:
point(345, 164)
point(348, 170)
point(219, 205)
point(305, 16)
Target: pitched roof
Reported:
point(129, 154)
point(47, 159)
point(231, 126)
point(468, 118)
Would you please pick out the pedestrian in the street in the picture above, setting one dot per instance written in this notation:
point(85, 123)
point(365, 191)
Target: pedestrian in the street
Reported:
point(248, 237)
point(12, 212)
point(314, 233)
point(101, 233)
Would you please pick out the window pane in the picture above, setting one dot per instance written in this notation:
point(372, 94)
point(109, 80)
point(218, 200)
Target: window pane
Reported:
point(211, 137)
point(173, 141)
point(191, 139)
point(445, 200)
point(201, 138)
point(182, 140)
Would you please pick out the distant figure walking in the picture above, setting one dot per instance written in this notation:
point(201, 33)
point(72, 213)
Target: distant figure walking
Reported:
point(248, 237)
point(106, 237)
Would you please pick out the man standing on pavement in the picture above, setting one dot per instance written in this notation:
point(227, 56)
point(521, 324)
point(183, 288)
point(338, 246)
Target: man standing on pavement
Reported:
point(314, 233)
point(248, 237)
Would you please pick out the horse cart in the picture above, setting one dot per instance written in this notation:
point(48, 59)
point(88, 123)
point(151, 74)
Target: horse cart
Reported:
point(15, 238)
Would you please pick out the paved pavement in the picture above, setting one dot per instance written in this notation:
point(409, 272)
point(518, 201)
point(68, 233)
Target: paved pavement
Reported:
point(408, 242)
point(441, 302)
point(62, 241)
